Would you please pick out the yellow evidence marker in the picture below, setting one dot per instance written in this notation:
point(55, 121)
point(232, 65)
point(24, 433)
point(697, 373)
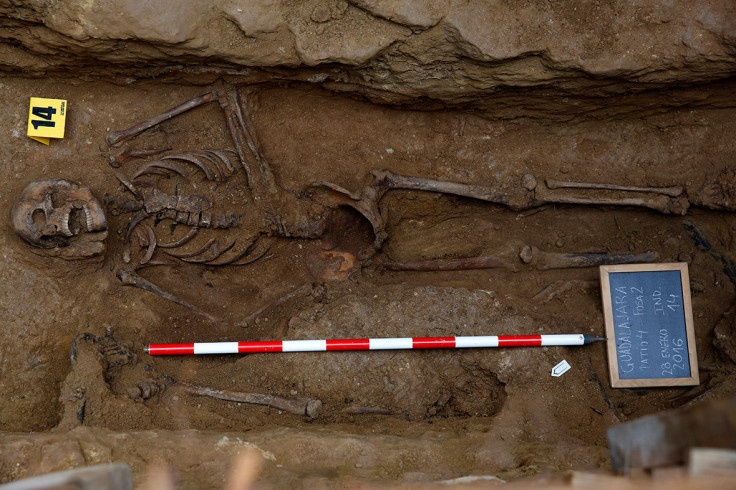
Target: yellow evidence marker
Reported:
point(46, 119)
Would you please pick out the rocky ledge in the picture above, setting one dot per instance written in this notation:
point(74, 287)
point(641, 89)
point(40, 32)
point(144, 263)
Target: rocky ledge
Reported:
point(553, 58)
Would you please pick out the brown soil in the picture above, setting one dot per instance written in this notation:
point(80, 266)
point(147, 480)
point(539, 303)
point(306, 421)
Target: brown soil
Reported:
point(506, 414)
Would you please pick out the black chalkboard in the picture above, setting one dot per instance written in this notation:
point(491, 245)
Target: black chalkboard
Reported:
point(649, 327)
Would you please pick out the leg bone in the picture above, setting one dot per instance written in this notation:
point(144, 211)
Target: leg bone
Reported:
point(296, 406)
point(551, 260)
point(468, 263)
point(673, 191)
point(386, 180)
point(366, 410)
point(659, 202)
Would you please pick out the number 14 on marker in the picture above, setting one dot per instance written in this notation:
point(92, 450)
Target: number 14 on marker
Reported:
point(46, 118)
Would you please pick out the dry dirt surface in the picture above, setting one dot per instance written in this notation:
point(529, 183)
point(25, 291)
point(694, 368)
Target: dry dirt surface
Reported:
point(490, 95)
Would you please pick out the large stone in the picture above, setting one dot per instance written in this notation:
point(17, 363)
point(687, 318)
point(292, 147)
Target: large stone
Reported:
point(665, 439)
point(455, 53)
point(103, 477)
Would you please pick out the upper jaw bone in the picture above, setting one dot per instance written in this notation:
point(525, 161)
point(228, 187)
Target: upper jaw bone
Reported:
point(93, 211)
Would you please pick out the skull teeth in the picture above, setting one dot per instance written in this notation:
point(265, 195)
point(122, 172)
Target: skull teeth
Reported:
point(88, 216)
point(65, 225)
point(48, 214)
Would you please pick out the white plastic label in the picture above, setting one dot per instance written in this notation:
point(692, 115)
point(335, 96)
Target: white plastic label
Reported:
point(560, 369)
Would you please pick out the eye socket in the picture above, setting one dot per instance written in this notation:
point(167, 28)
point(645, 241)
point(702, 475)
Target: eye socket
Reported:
point(38, 218)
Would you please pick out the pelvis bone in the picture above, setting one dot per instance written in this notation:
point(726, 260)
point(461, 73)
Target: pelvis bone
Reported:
point(62, 218)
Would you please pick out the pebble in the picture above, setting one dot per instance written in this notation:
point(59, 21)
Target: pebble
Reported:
point(529, 182)
point(671, 242)
point(321, 13)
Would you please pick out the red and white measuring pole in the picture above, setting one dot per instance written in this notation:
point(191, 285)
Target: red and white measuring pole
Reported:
point(369, 344)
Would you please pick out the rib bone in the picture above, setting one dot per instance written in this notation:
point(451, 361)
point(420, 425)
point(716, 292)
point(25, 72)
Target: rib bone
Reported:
point(673, 191)
point(551, 260)
point(128, 153)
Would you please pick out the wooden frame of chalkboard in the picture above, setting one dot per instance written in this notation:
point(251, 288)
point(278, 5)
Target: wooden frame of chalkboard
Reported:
point(649, 325)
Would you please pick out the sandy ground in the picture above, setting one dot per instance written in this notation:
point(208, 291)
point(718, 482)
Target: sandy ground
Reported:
point(520, 419)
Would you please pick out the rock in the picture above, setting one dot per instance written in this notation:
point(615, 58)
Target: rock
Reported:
point(321, 13)
point(712, 462)
point(392, 51)
point(114, 476)
point(723, 335)
point(288, 455)
point(665, 439)
point(529, 182)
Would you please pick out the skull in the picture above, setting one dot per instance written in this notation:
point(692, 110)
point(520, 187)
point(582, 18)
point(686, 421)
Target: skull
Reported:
point(61, 217)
